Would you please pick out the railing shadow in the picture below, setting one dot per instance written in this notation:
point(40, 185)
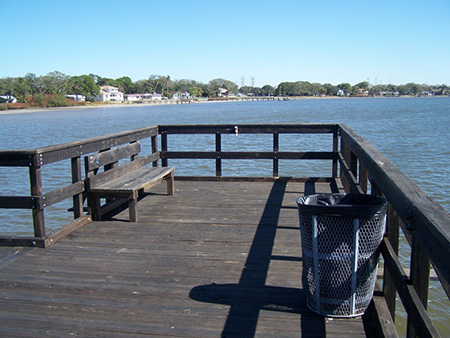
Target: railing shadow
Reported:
point(251, 295)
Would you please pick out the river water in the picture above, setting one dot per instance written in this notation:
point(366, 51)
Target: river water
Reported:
point(412, 132)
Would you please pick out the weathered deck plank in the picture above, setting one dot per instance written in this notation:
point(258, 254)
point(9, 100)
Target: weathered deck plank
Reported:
point(217, 259)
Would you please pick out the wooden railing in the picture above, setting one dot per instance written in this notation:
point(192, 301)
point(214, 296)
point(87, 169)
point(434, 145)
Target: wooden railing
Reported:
point(37, 201)
point(424, 223)
point(275, 155)
point(358, 165)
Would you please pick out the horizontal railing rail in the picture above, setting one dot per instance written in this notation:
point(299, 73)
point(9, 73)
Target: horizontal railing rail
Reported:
point(275, 155)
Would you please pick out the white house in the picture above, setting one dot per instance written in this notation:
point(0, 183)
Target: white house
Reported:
point(156, 96)
point(181, 96)
point(134, 97)
point(143, 97)
point(363, 92)
point(222, 92)
point(109, 93)
point(79, 98)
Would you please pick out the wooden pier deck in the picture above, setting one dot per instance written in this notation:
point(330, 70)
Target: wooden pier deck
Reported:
point(217, 259)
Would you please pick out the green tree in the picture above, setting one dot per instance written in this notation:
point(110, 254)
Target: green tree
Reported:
point(222, 83)
point(413, 88)
point(159, 84)
point(152, 83)
point(284, 88)
point(330, 89)
point(442, 90)
point(21, 88)
point(346, 87)
point(184, 85)
point(318, 89)
point(83, 85)
point(257, 91)
point(36, 83)
point(298, 88)
point(56, 83)
point(141, 86)
point(207, 90)
point(7, 87)
point(167, 85)
point(195, 91)
point(362, 85)
point(106, 81)
point(268, 90)
point(14, 88)
point(245, 90)
point(304, 88)
point(126, 85)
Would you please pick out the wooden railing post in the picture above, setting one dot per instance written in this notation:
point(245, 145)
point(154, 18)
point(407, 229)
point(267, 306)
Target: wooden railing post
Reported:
point(341, 174)
point(218, 150)
point(154, 140)
point(419, 276)
point(345, 155)
point(164, 161)
point(392, 234)
point(334, 168)
point(36, 190)
point(76, 177)
point(353, 163)
point(363, 178)
point(276, 141)
point(375, 190)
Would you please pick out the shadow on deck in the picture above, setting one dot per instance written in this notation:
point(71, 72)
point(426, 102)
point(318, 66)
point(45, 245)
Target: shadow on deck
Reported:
point(218, 259)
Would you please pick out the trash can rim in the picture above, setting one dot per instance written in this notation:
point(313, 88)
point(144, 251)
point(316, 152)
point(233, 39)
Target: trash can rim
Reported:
point(331, 204)
point(380, 199)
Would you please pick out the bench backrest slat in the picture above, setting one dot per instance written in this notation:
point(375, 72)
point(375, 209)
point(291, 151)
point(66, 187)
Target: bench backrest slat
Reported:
point(93, 162)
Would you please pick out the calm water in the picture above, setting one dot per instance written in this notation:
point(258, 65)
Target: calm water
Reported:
point(411, 132)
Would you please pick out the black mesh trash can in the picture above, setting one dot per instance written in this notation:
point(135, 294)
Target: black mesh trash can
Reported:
point(340, 236)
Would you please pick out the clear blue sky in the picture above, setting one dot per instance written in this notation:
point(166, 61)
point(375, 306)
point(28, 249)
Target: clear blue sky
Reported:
point(271, 41)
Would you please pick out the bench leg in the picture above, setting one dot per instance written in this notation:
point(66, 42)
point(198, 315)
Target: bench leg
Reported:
point(132, 207)
point(94, 205)
point(170, 185)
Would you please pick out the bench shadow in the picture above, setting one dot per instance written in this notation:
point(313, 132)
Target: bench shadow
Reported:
point(251, 294)
point(112, 215)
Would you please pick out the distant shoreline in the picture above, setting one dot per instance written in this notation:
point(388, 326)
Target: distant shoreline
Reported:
point(166, 103)
point(87, 106)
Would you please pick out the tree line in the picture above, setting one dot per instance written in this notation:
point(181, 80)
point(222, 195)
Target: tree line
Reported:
point(304, 88)
point(32, 88)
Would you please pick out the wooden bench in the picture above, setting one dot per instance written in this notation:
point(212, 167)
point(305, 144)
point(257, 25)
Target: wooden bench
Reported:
point(122, 183)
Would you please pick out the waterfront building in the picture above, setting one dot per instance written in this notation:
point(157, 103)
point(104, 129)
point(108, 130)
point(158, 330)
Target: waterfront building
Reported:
point(109, 93)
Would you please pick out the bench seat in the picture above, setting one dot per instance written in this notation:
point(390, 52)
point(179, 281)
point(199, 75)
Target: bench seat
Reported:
point(138, 179)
